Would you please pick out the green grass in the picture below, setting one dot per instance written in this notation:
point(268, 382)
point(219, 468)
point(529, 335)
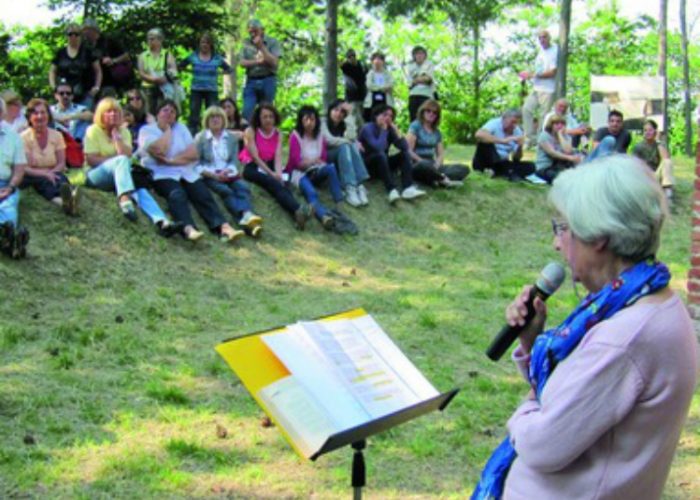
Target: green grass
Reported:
point(107, 358)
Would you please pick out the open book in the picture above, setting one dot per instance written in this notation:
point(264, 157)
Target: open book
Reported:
point(326, 377)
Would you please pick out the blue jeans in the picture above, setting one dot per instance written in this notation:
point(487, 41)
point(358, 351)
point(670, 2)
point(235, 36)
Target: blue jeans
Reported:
point(235, 195)
point(606, 147)
point(112, 174)
point(315, 178)
point(45, 187)
point(148, 205)
point(350, 165)
point(209, 97)
point(257, 91)
point(178, 193)
point(9, 206)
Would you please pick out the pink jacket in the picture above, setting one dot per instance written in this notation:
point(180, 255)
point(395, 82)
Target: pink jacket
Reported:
point(294, 161)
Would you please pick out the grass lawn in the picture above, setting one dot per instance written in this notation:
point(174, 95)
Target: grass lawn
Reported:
point(110, 385)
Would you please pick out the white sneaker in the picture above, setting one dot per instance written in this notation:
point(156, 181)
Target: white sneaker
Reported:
point(394, 196)
point(412, 192)
point(449, 183)
point(249, 219)
point(351, 196)
point(362, 194)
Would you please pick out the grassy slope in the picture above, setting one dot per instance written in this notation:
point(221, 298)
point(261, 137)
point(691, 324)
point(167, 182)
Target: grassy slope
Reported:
point(107, 339)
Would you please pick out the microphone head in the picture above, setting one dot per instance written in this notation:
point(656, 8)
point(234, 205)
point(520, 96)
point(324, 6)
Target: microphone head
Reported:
point(551, 278)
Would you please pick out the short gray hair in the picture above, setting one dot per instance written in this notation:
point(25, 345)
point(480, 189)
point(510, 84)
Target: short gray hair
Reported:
point(615, 198)
point(157, 32)
point(513, 113)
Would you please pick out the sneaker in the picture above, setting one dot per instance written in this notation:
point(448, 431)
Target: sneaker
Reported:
point(352, 196)
point(128, 210)
point(362, 194)
point(192, 235)
point(328, 222)
point(168, 228)
point(19, 247)
point(489, 172)
point(250, 220)
point(412, 192)
point(394, 196)
point(254, 232)
point(449, 183)
point(229, 234)
point(302, 215)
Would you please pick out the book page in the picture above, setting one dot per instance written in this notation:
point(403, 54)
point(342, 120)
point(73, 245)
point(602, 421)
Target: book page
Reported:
point(300, 415)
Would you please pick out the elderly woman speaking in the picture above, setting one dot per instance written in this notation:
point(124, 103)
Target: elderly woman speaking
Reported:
point(611, 385)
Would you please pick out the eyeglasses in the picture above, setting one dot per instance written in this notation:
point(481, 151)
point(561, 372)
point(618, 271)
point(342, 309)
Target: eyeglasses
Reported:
point(64, 93)
point(559, 226)
point(73, 33)
point(133, 98)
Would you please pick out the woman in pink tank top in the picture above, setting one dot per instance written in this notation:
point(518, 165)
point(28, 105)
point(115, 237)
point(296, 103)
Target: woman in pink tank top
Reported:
point(262, 157)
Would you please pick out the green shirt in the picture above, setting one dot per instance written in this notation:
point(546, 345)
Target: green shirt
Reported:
point(11, 152)
point(249, 52)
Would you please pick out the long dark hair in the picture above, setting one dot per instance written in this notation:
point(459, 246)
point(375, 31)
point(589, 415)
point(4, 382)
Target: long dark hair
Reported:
point(336, 129)
point(236, 122)
point(307, 110)
point(255, 119)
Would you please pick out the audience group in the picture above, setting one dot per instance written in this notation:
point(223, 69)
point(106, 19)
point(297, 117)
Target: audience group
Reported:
point(137, 147)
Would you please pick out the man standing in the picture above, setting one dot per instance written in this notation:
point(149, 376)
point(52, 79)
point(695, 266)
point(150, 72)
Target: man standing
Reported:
point(354, 76)
point(13, 238)
point(75, 118)
point(260, 57)
point(611, 139)
point(574, 130)
point(499, 148)
point(543, 79)
point(117, 69)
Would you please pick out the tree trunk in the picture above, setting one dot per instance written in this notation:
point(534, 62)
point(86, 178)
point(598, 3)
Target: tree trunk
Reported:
point(663, 49)
point(476, 73)
point(330, 67)
point(686, 81)
point(563, 57)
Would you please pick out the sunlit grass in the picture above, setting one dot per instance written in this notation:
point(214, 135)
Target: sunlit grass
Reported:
point(108, 373)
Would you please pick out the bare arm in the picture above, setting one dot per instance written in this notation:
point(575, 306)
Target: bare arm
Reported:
point(52, 76)
point(249, 139)
point(411, 141)
point(15, 180)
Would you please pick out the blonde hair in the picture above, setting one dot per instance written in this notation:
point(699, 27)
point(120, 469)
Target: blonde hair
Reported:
point(552, 120)
point(106, 104)
point(211, 112)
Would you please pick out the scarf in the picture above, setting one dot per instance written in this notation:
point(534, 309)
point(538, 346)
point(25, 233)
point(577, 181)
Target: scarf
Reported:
point(553, 346)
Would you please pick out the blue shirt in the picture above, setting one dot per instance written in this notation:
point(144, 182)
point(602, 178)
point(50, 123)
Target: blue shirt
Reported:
point(205, 73)
point(11, 151)
point(426, 142)
point(495, 128)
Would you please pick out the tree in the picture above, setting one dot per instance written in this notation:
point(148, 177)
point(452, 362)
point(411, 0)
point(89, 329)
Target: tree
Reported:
point(663, 57)
point(330, 66)
point(686, 81)
point(563, 56)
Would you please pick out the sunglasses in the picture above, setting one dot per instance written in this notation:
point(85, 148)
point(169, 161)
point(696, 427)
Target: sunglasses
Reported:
point(64, 93)
point(73, 33)
point(133, 98)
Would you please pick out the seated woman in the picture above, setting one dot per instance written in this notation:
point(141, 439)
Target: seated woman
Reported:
point(262, 158)
point(610, 387)
point(307, 165)
point(136, 99)
point(108, 150)
point(14, 111)
point(340, 133)
point(376, 137)
point(428, 151)
point(655, 155)
point(217, 149)
point(46, 159)
point(553, 150)
point(236, 123)
point(169, 152)
point(13, 237)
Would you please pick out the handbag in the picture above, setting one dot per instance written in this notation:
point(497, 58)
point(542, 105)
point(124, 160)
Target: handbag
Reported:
point(172, 89)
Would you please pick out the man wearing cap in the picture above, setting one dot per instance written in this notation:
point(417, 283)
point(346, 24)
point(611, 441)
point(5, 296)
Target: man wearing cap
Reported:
point(117, 69)
point(259, 56)
point(543, 78)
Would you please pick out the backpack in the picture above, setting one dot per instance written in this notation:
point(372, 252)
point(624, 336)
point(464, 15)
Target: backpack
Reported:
point(74, 152)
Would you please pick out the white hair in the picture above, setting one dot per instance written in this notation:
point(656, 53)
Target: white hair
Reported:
point(615, 198)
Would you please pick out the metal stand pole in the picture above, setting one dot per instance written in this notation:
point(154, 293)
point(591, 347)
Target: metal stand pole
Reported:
point(358, 469)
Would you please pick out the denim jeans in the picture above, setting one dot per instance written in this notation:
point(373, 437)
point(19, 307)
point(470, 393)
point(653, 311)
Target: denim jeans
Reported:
point(275, 188)
point(350, 165)
point(210, 98)
point(148, 205)
point(315, 178)
point(179, 192)
point(111, 174)
point(43, 186)
point(235, 195)
point(9, 206)
point(606, 147)
point(257, 91)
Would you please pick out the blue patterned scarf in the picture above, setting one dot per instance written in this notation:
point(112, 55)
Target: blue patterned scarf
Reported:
point(556, 344)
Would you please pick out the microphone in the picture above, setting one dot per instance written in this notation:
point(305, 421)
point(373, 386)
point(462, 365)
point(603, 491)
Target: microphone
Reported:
point(550, 279)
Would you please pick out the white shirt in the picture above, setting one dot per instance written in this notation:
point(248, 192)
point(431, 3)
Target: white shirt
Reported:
point(546, 60)
point(181, 139)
